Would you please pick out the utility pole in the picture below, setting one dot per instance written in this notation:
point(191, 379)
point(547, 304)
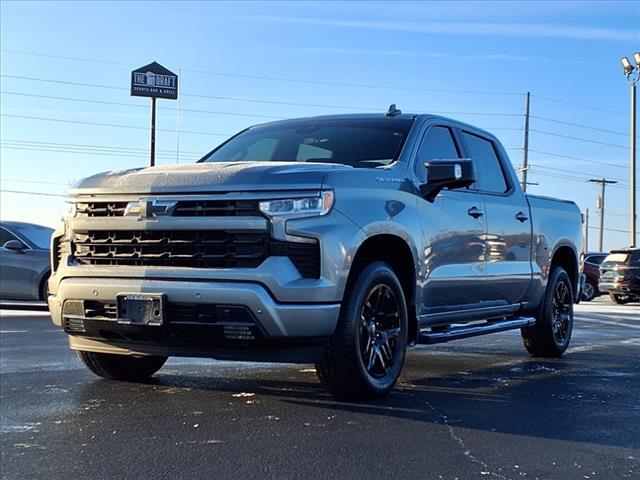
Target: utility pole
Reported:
point(603, 183)
point(586, 233)
point(525, 150)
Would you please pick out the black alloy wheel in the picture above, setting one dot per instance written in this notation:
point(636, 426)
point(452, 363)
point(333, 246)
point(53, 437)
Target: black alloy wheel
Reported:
point(379, 330)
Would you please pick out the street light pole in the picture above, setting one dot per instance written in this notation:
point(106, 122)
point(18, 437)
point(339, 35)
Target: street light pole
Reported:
point(632, 73)
point(633, 160)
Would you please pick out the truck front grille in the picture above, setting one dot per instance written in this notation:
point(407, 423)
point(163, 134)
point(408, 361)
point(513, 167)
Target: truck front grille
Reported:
point(192, 248)
point(184, 208)
point(180, 248)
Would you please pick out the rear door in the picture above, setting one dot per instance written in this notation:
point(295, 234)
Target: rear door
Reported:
point(453, 229)
point(509, 231)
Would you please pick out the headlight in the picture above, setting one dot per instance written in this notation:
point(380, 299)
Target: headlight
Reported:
point(307, 206)
point(69, 211)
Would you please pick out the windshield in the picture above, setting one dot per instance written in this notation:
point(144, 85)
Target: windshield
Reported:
point(38, 235)
point(355, 142)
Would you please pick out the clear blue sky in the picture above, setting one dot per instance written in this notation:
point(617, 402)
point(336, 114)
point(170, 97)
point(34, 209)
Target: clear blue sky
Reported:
point(415, 54)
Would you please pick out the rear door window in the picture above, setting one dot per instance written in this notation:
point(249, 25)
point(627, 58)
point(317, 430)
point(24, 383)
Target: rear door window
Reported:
point(489, 172)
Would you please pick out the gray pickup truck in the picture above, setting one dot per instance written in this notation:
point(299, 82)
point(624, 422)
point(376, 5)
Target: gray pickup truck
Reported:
point(340, 240)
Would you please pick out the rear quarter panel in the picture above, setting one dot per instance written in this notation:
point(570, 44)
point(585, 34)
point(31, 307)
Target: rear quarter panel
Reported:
point(556, 223)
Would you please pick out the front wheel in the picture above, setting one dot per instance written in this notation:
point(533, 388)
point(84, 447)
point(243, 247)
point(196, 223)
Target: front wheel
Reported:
point(550, 335)
point(366, 353)
point(619, 299)
point(121, 367)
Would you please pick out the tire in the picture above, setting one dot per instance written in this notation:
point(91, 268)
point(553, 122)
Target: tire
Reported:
point(364, 357)
point(121, 367)
point(619, 299)
point(44, 288)
point(551, 334)
point(590, 291)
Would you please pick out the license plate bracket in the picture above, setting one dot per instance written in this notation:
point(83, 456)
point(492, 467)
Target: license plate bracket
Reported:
point(141, 309)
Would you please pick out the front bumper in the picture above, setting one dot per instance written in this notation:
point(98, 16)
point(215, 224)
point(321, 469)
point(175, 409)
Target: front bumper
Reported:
point(277, 323)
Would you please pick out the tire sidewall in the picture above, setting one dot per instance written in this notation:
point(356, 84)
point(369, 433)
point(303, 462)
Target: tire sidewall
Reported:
point(374, 274)
point(558, 275)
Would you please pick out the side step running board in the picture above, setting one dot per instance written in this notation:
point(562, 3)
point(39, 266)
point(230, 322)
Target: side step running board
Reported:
point(464, 331)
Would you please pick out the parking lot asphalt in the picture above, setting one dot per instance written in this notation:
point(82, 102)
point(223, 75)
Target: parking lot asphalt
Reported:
point(476, 408)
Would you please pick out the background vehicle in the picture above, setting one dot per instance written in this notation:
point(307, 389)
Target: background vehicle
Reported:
point(337, 240)
point(620, 275)
point(24, 261)
point(591, 270)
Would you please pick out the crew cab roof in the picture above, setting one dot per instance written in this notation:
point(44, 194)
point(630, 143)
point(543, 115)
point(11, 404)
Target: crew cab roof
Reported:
point(371, 116)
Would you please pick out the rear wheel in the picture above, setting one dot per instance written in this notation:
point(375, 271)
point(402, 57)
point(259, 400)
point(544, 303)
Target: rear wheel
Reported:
point(121, 367)
point(365, 355)
point(590, 291)
point(619, 299)
point(550, 335)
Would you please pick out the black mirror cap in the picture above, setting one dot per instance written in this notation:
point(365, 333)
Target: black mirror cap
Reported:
point(458, 173)
point(15, 245)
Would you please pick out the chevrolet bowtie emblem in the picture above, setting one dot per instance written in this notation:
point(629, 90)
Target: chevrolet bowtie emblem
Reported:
point(150, 208)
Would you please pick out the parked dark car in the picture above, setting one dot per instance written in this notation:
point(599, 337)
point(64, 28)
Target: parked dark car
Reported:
point(24, 261)
point(591, 269)
point(620, 275)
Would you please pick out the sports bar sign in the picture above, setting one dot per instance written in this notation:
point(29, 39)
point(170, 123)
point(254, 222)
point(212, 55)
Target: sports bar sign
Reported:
point(154, 80)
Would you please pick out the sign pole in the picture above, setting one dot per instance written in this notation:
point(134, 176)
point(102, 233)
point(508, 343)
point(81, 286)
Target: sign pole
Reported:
point(154, 81)
point(153, 131)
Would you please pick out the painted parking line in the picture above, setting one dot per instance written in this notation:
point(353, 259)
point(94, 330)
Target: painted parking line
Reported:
point(588, 319)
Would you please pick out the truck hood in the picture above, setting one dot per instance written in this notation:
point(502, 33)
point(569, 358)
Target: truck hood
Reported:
point(209, 177)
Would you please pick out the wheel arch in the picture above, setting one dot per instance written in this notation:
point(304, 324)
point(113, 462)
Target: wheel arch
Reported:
point(565, 256)
point(44, 277)
point(397, 253)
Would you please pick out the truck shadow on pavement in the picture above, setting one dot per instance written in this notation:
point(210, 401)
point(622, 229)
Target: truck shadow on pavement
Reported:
point(582, 398)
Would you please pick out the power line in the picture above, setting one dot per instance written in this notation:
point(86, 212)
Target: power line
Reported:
point(89, 152)
point(93, 146)
point(213, 97)
point(114, 125)
point(581, 139)
point(137, 105)
point(581, 180)
point(609, 229)
point(24, 192)
point(218, 112)
point(245, 99)
point(579, 159)
point(579, 125)
point(15, 180)
point(553, 169)
point(580, 105)
point(277, 79)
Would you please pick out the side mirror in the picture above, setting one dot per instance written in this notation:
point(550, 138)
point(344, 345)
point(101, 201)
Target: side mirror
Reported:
point(458, 173)
point(15, 245)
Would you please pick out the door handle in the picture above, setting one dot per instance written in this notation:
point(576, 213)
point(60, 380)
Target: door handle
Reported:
point(475, 212)
point(521, 217)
